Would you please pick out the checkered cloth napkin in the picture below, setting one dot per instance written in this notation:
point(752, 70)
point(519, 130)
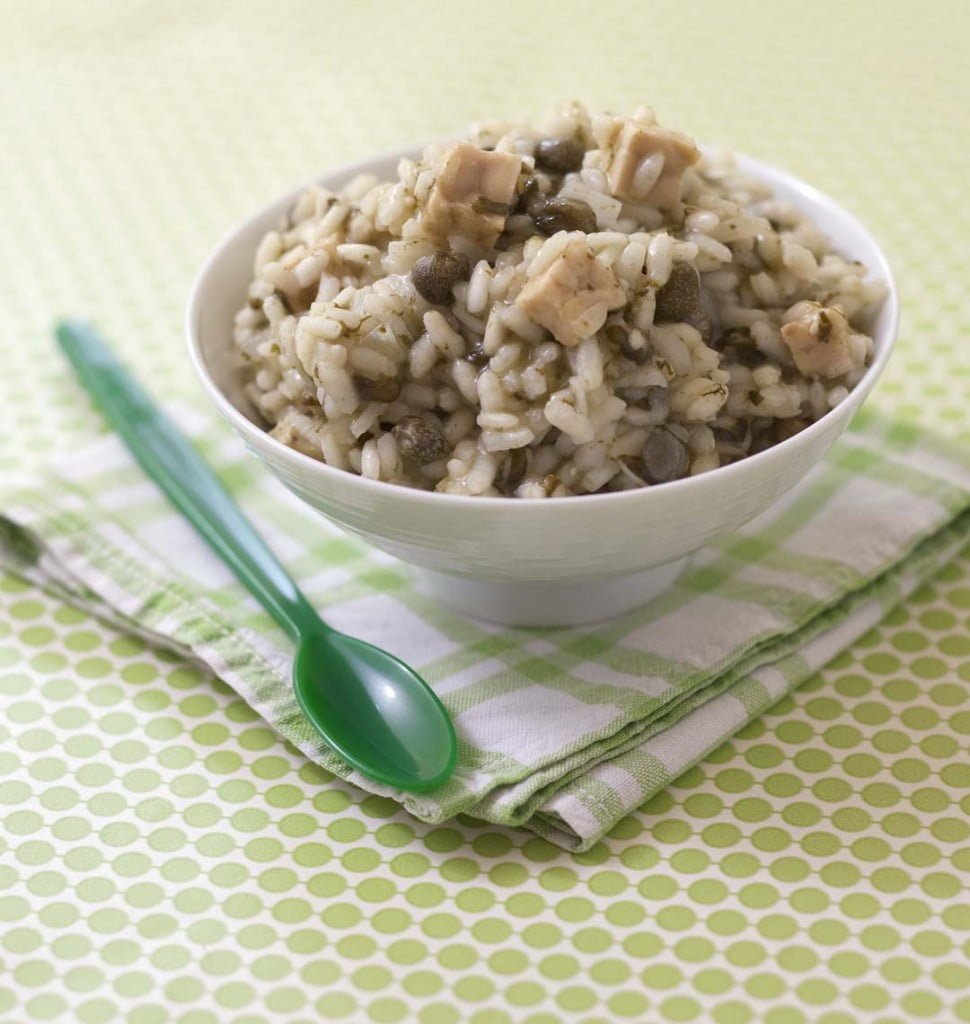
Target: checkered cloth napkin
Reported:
point(564, 731)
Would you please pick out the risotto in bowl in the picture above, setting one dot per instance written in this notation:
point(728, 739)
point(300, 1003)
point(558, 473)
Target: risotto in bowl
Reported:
point(543, 364)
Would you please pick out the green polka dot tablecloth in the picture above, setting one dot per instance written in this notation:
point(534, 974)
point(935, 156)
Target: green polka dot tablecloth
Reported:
point(164, 857)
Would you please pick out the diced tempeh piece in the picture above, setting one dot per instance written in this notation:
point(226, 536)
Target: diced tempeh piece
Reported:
point(472, 193)
point(647, 164)
point(573, 295)
point(819, 340)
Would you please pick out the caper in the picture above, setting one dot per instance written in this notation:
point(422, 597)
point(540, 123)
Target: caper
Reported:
point(476, 354)
point(560, 155)
point(657, 401)
point(560, 214)
point(530, 195)
point(434, 276)
point(421, 440)
point(512, 470)
point(701, 322)
point(734, 434)
point(680, 297)
point(739, 347)
point(785, 429)
point(384, 389)
point(664, 457)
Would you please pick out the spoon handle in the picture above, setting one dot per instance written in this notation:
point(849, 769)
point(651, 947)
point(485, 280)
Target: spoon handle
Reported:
point(167, 457)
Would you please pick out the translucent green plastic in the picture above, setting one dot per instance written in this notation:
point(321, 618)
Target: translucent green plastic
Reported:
point(370, 707)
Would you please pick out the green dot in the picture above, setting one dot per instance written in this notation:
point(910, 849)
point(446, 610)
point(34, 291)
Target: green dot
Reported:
point(121, 952)
point(777, 926)
point(575, 908)
point(475, 900)
point(923, 1003)
point(394, 835)
point(629, 1004)
point(361, 859)
point(771, 840)
point(881, 794)
point(752, 809)
point(409, 865)
point(881, 663)
point(671, 830)
point(541, 936)
point(955, 977)
point(851, 819)
point(336, 1006)
point(703, 805)
point(726, 922)
point(556, 879)
point(712, 981)
point(474, 989)
point(932, 943)
point(950, 830)
point(278, 880)
point(508, 961)
point(789, 869)
point(758, 896)
point(809, 901)
point(764, 986)
point(331, 801)
point(525, 904)
point(859, 905)
point(234, 995)
point(880, 938)
point(939, 746)
point(910, 911)
point(674, 918)
point(625, 913)
point(607, 883)
point(829, 933)
point(734, 780)
point(423, 983)
point(870, 713)
point(457, 957)
point(639, 857)
point(425, 894)
point(941, 885)
point(508, 874)
point(900, 824)
point(821, 844)
point(661, 976)
point(491, 930)
point(558, 967)
point(721, 836)
point(407, 951)
point(576, 998)
point(740, 865)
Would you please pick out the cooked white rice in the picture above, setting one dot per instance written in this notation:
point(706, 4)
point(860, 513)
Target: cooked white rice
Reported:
point(662, 317)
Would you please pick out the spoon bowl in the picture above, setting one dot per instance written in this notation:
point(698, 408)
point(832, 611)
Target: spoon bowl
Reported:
point(375, 711)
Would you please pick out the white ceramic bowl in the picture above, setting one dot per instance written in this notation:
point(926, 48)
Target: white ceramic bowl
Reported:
point(535, 562)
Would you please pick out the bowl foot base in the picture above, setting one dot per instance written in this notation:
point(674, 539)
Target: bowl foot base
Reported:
point(555, 603)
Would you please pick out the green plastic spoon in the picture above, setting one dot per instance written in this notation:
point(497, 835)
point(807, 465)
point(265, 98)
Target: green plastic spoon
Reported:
point(377, 713)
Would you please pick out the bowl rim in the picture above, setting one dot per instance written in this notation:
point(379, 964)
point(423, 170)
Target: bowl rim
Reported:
point(302, 463)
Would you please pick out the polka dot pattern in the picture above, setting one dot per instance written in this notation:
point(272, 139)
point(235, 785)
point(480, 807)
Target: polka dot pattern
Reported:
point(165, 857)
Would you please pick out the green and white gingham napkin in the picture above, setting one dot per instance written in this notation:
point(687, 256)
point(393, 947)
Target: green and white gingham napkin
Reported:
point(564, 731)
